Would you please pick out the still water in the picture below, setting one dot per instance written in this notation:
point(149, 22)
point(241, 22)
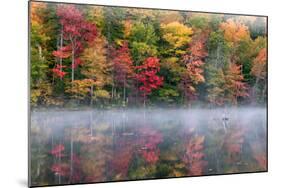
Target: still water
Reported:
point(111, 145)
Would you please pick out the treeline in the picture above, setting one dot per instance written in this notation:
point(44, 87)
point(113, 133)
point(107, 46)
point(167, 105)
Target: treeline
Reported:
point(110, 56)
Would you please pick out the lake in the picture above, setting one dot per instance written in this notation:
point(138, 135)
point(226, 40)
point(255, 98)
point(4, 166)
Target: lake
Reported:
point(86, 146)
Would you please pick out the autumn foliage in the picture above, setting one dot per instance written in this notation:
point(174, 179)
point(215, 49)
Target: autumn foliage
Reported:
point(75, 31)
point(259, 64)
point(140, 58)
point(194, 61)
point(147, 76)
point(122, 65)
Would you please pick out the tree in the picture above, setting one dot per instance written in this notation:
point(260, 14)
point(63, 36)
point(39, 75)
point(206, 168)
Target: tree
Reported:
point(215, 86)
point(194, 61)
point(235, 85)
point(177, 35)
point(80, 89)
point(171, 70)
point(233, 31)
point(218, 50)
point(113, 28)
point(259, 70)
point(76, 31)
point(122, 67)
point(147, 76)
point(259, 65)
point(143, 41)
point(227, 86)
point(95, 66)
point(39, 64)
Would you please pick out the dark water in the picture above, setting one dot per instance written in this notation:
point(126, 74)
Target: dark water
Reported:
point(96, 146)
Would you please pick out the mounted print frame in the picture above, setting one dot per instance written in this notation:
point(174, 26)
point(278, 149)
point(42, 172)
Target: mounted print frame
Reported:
point(128, 93)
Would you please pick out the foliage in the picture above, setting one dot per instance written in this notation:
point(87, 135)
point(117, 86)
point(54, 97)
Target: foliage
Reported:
point(234, 32)
point(259, 65)
point(80, 89)
point(75, 31)
point(122, 65)
point(197, 57)
point(143, 40)
point(147, 76)
point(177, 35)
point(227, 86)
point(194, 67)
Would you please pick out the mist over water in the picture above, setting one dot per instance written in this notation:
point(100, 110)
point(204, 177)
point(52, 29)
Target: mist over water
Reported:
point(61, 118)
point(147, 143)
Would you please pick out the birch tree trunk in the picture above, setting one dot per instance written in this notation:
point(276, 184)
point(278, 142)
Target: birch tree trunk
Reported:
point(61, 44)
point(91, 93)
point(124, 92)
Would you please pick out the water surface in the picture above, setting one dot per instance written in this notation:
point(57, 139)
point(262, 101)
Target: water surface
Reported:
point(108, 145)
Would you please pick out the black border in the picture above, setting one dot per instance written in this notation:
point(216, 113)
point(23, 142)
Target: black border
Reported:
point(119, 6)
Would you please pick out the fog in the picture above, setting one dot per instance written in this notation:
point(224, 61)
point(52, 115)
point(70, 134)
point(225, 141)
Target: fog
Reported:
point(133, 117)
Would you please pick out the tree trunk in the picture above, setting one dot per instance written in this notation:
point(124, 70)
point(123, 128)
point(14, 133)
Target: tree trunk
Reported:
point(264, 91)
point(124, 92)
point(254, 91)
point(144, 102)
point(61, 44)
point(112, 92)
point(91, 100)
point(72, 65)
point(41, 59)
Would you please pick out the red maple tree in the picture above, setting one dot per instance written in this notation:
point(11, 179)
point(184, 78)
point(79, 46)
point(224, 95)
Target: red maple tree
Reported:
point(147, 76)
point(122, 67)
point(76, 31)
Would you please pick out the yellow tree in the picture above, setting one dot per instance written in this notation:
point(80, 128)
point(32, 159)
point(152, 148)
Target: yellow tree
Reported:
point(177, 35)
point(80, 89)
point(233, 31)
point(96, 67)
point(41, 90)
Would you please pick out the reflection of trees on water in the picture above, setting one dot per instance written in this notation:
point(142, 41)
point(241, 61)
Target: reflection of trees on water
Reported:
point(95, 146)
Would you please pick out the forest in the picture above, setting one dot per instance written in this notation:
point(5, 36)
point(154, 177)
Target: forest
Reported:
point(117, 57)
